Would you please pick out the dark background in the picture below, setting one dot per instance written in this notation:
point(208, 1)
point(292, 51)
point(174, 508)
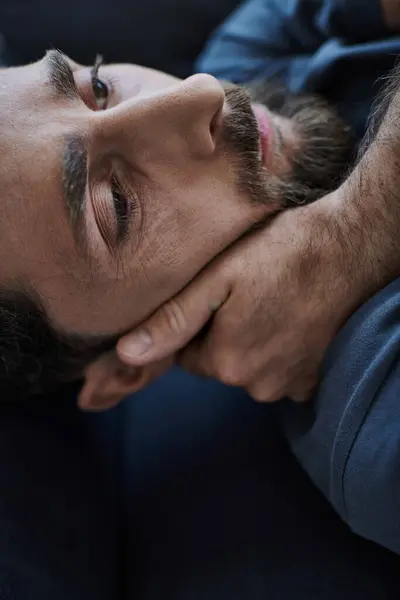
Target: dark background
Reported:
point(163, 34)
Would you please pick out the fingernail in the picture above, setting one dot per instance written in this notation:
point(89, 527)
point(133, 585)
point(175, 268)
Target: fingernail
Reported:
point(137, 344)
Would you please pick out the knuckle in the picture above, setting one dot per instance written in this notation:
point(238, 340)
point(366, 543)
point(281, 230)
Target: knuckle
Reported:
point(302, 392)
point(174, 316)
point(228, 370)
point(260, 392)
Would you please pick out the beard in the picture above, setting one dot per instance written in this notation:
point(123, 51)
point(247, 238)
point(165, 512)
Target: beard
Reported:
point(317, 166)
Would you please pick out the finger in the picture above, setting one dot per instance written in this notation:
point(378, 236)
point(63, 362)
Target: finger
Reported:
point(176, 322)
point(222, 353)
point(195, 359)
point(267, 389)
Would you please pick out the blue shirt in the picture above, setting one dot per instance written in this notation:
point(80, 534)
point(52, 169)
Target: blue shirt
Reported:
point(348, 440)
point(337, 48)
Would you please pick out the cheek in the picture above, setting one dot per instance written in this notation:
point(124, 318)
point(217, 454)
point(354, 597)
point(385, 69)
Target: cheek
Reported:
point(183, 232)
point(180, 235)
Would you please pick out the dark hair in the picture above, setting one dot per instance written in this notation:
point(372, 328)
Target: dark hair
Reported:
point(34, 357)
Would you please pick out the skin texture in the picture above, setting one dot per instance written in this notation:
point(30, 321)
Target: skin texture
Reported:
point(284, 292)
point(281, 301)
point(121, 184)
point(187, 158)
point(163, 140)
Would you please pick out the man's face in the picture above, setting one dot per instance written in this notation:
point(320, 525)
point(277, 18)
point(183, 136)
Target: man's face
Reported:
point(119, 186)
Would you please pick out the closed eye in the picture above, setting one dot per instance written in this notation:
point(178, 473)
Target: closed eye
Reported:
point(123, 211)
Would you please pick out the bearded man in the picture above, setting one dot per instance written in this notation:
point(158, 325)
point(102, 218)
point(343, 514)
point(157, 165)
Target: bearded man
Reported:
point(201, 496)
point(121, 183)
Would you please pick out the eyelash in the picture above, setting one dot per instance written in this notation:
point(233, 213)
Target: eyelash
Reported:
point(101, 90)
point(122, 209)
point(98, 61)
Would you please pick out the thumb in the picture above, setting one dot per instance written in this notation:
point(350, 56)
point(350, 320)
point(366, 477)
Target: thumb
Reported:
point(173, 325)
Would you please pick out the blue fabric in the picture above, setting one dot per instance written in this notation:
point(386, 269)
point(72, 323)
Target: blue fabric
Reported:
point(336, 48)
point(349, 442)
point(57, 521)
point(166, 35)
point(187, 491)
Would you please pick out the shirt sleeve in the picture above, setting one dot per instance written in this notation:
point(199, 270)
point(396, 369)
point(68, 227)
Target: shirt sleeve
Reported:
point(276, 38)
point(354, 21)
point(348, 440)
point(259, 38)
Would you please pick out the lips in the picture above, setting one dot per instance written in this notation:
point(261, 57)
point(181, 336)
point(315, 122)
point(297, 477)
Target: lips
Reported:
point(266, 131)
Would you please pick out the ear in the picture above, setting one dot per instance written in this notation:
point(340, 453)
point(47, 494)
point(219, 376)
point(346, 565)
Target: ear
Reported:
point(108, 381)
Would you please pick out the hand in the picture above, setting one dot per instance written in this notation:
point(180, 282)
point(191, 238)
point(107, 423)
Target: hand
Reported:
point(276, 299)
point(283, 292)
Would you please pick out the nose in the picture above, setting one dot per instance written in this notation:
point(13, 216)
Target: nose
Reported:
point(183, 119)
point(201, 110)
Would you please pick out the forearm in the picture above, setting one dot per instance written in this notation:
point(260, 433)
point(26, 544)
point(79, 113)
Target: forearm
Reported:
point(367, 213)
point(349, 241)
point(366, 208)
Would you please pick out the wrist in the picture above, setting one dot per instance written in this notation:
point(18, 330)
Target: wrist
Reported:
point(336, 269)
point(363, 232)
point(368, 209)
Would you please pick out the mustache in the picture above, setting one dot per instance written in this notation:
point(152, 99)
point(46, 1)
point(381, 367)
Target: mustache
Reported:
point(324, 155)
point(240, 126)
point(241, 141)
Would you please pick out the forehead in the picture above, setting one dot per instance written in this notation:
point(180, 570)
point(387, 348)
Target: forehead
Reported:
point(25, 94)
point(32, 130)
point(20, 90)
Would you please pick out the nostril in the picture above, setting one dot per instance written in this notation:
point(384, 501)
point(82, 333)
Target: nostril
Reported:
point(215, 124)
point(212, 127)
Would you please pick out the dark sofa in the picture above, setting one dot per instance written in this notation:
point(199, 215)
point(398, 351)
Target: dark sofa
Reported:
point(163, 34)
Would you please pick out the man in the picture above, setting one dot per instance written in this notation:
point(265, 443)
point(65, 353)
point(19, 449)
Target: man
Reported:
point(113, 179)
point(219, 508)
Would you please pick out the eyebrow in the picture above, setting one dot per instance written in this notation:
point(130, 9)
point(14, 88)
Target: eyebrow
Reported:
point(73, 180)
point(60, 74)
point(74, 155)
